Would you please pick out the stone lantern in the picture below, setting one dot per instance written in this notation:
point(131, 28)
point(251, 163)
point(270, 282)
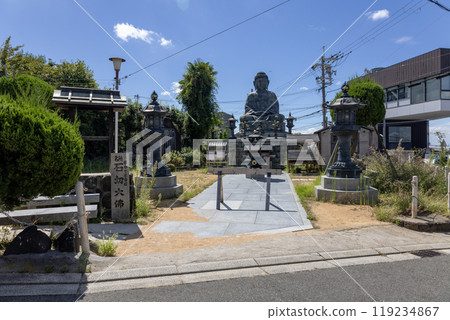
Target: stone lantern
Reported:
point(290, 123)
point(344, 127)
point(154, 115)
point(343, 182)
point(154, 120)
point(232, 125)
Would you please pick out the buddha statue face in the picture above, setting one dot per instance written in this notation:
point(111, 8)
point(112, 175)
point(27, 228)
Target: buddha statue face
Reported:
point(261, 82)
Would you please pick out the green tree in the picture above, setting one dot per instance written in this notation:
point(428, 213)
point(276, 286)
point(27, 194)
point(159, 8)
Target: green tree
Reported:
point(197, 95)
point(40, 153)
point(131, 122)
point(8, 56)
point(74, 73)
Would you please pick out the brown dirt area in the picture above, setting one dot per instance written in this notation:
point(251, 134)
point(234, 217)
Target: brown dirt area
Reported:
point(330, 217)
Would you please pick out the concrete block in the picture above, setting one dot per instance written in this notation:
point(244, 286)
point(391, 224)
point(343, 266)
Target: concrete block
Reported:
point(369, 197)
point(298, 258)
point(130, 284)
point(358, 261)
point(221, 275)
point(349, 253)
point(116, 275)
point(345, 184)
point(216, 265)
point(296, 267)
point(38, 290)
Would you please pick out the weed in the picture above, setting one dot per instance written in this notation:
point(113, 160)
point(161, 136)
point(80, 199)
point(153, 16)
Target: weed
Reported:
point(107, 246)
point(49, 268)
point(64, 269)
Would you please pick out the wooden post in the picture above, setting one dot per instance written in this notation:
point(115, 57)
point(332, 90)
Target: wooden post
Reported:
point(269, 175)
point(448, 193)
point(446, 172)
point(415, 185)
point(82, 218)
point(219, 190)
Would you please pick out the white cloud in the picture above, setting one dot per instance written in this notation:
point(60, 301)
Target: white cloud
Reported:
point(165, 93)
point(338, 83)
point(304, 88)
point(176, 87)
point(379, 15)
point(316, 28)
point(443, 127)
point(126, 31)
point(164, 42)
point(309, 131)
point(406, 39)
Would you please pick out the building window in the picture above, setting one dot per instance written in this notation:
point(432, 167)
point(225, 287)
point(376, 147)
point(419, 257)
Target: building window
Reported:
point(432, 89)
point(445, 87)
point(418, 93)
point(399, 133)
point(392, 94)
point(402, 92)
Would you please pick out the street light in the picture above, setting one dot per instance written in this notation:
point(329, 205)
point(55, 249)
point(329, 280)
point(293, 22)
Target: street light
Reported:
point(117, 63)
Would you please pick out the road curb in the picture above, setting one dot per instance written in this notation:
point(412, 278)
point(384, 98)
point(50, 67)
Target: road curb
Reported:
point(28, 284)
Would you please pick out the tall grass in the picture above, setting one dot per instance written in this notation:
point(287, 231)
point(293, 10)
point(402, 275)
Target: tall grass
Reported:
point(395, 190)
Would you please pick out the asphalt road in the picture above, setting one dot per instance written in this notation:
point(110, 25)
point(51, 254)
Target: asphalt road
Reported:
point(426, 279)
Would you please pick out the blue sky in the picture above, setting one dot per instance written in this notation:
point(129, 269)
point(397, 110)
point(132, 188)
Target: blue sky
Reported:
point(283, 42)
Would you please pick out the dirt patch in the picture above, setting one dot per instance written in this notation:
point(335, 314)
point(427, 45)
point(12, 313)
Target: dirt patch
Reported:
point(330, 216)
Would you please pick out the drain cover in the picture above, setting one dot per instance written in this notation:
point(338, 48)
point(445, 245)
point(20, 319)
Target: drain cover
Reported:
point(426, 253)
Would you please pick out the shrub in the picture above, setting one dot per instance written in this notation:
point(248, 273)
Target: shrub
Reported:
point(40, 153)
point(107, 246)
point(174, 158)
point(24, 86)
point(171, 167)
point(187, 155)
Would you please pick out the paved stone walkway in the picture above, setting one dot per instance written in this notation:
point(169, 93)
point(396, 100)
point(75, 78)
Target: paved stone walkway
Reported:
point(243, 210)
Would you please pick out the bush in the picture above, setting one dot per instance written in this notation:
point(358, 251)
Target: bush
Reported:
point(40, 153)
point(174, 158)
point(381, 177)
point(107, 246)
point(24, 86)
point(187, 155)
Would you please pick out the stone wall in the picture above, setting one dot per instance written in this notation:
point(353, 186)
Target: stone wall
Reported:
point(101, 183)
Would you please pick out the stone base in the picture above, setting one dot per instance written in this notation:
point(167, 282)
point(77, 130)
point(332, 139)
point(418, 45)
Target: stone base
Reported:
point(166, 186)
point(366, 197)
point(346, 190)
point(345, 184)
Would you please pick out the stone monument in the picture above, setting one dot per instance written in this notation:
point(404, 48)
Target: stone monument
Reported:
point(162, 181)
point(344, 182)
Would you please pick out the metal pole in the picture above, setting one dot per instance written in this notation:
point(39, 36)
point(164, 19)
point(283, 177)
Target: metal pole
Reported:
point(116, 126)
point(415, 184)
point(324, 111)
point(448, 193)
point(219, 190)
point(269, 175)
point(82, 218)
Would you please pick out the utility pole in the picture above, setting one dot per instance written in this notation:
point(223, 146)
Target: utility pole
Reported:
point(326, 79)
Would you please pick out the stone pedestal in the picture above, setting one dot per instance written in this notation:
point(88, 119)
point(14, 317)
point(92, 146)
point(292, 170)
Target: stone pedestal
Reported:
point(347, 190)
point(166, 186)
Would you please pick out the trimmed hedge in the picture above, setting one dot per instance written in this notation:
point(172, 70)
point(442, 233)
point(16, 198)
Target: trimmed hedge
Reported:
point(40, 153)
point(25, 86)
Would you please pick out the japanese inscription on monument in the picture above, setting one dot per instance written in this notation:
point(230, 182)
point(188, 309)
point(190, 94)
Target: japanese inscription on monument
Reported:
point(120, 187)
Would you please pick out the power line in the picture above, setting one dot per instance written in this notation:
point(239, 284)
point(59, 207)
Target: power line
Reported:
point(440, 5)
point(208, 38)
